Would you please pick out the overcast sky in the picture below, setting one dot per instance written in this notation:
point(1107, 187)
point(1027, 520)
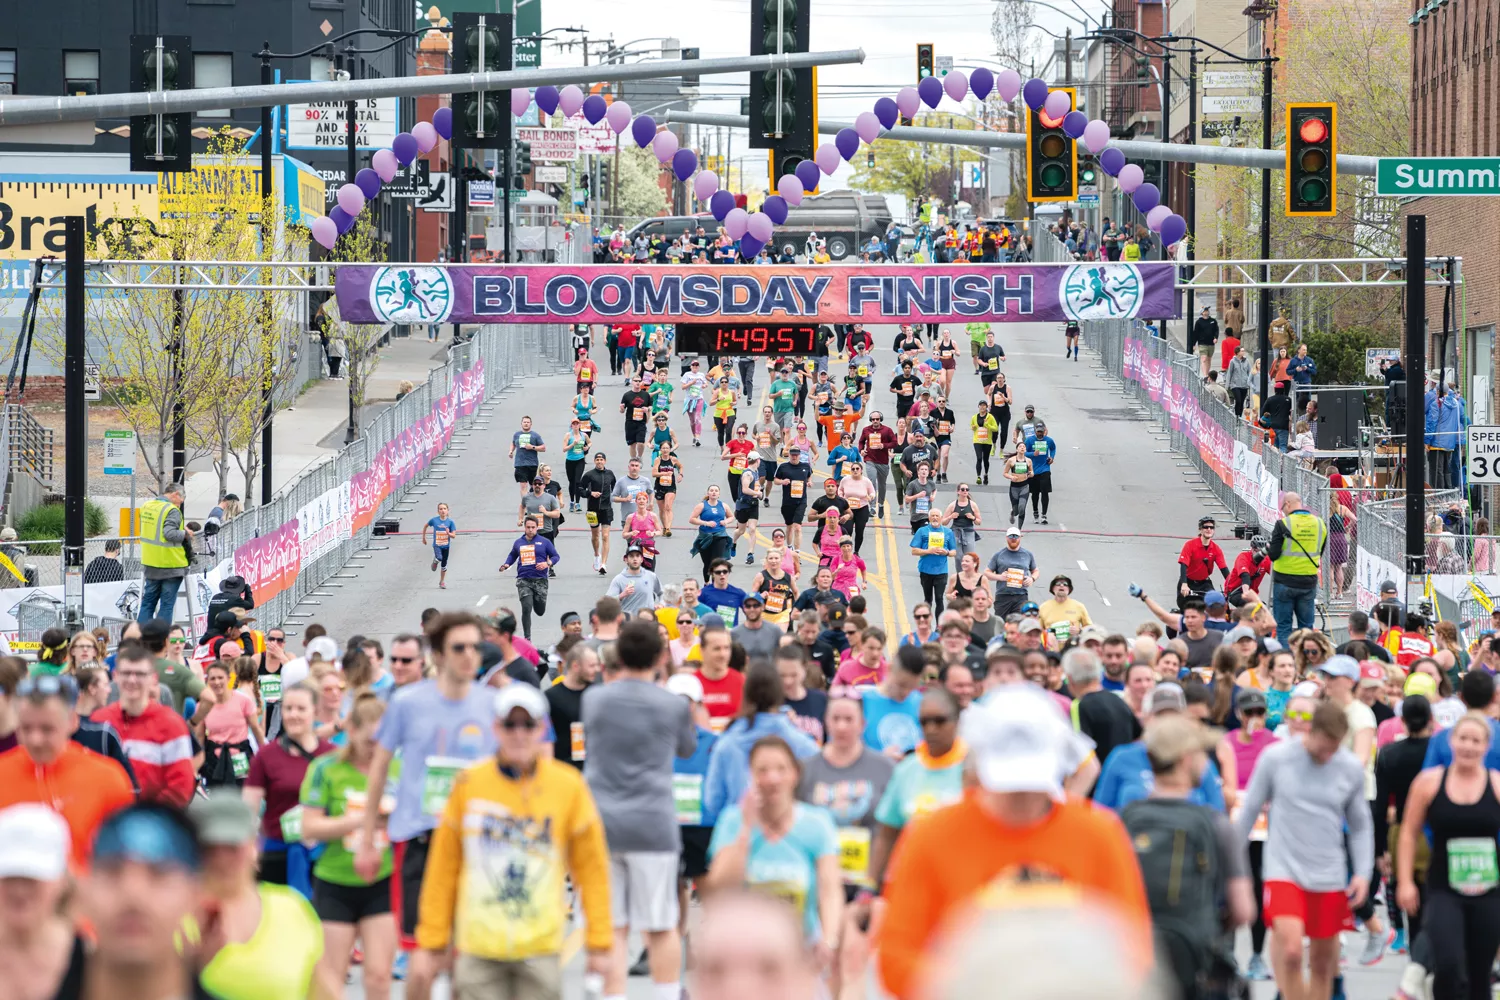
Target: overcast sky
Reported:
point(887, 30)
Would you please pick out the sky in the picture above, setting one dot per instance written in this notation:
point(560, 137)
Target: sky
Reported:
point(887, 30)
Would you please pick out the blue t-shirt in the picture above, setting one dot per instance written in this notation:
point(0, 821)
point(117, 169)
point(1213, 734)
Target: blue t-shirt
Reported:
point(1126, 778)
point(890, 723)
point(1440, 749)
point(442, 528)
point(788, 866)
point(838, 456)
point(916, 788)
point(725, 602)
point(436, 739)
point(687, 779)
point(525, 442)
point(1042, 450)
point(935, 565)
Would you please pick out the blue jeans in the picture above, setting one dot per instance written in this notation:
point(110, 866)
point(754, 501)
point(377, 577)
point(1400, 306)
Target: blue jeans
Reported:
point(159, 595)
point(1286, 602)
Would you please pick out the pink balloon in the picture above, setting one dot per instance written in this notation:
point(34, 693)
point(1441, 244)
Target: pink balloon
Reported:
point(664, 145)
point(618, 116)
point(908, 101)
point(425, 135)
point(384, 163)
point(790, 188)
point(867, 125)
point(1131, 177)
point(1008, 84)
point(1096, 135)
point(520, 100)
point(351, 198)
point(956, 84)
point(705, 184)
point(736, 223)
point(325, 231)
point(1156, 217)
point(760, 227)
point(1058, 104)
point(570, 100)
point(827, 158)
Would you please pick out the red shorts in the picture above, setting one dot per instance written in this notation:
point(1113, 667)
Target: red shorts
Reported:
point(1323, 914)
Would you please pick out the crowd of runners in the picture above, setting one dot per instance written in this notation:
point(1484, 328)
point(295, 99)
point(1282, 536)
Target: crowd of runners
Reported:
point(859, 812)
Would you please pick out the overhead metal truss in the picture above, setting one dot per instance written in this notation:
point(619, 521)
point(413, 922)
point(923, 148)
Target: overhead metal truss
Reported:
point(1351, 272)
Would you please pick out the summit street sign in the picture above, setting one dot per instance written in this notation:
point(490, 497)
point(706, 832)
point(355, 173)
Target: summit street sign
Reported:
point(1415, 176)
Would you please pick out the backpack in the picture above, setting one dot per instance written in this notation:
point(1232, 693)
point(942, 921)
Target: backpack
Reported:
point(1178, 850)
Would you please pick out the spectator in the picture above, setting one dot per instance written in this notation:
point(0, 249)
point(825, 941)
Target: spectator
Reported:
point(1302, 368)
point(106, 568)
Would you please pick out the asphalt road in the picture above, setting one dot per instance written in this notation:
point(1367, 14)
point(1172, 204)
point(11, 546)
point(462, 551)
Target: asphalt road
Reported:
point(1122, 507)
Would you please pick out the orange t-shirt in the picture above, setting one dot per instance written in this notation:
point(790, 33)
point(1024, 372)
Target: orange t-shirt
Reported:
point(1077, 846)
point(836, 427)
point(82, 786)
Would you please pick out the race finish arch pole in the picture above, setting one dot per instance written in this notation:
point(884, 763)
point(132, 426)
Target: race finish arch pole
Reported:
point(75, 474)
point(1416, 365)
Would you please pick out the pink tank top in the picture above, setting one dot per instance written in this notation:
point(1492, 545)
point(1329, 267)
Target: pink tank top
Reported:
point(643, 530)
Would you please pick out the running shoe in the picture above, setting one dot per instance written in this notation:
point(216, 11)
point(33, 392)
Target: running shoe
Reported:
point(642, 966)
point(1375, 946)
point(434, 566)
point(442, 585)
point(750, 559)
point(1257, 971)
point(697, 443)
point(398, 967)
point(1398, 946)
point(1042, 519)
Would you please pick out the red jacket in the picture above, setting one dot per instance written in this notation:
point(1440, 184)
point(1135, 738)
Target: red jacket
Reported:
point(1247, 572)
point(160, 751)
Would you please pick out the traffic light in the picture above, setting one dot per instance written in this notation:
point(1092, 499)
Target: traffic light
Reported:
point(520, 159)
point(482, 44)
point(870, 159)
point(924, 60)
point(161, 143)
point(1088, 172)
point(1311, 159)
point(1051, 157)
point(783, 103)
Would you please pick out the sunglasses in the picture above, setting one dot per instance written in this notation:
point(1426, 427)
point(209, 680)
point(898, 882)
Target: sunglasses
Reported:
point(921, 617)
point(527, 724)
point(49, 686)
point(963, 489)
point(684, 621)
point(276, 638)
point(1299, 716)
point(406, 659)
point(721, 572)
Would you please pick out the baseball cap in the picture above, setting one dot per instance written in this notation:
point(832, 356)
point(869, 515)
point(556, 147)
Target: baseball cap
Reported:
point(1388, 587)
point(1165, 697)
point(522, 696)
point(1030, 608)
point(1419, 683)
point(152, 834)
point(1173, 738)
point(1341, 666)
point(1012, 532)
point(1239, 632)
point(752, 597)
point(1029, 625)
point(323, 646)
point(1371, 674)
point(636, 549)
point(1307, 689)
point(687, 685)
point(1090, 632)
point(1030, 408)
point(223, 819)
point(1249, 700)
point(33, 843)
point(1017, 741)
point(711, 621)
point(1215, 598)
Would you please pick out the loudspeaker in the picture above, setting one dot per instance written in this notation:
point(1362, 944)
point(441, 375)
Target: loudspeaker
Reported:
point(1340, 412)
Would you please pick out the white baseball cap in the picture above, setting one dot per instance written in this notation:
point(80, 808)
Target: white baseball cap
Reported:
point(323, 646)
point(687, 685)
point(1019, 742)
point(522, 696)
point(34, 843)
point(1013, 531)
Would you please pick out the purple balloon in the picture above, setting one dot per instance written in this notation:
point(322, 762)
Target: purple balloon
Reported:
point(1173, 229)
point(809, 174)
point(1074, 122)
point(981, 82)
point(1131, 176)
point(618, 116)
point(908, 101)
point(520, 101)
point(1156, 217)
point(442, 120)
point(1096, 135)
point(368, 181)
point(867, 125)
point(705, 184)
point(956, 84)
point(384, 162)
point(847, 143)
point(789, 186)
point(1008, 85)
point(1058, 104)
point(546, 99)
point(721, 204)
point(664, 146)
point(325, 231)
point(760, 226)
point(930, 90)
point(341, 218)
point(643, 130)
point(1035, 93)
point(570, 100)
point(684, 162)
point(594, 109)
point(736, 223)
point(1112, 161)
point(775, 209)
point(405, 148)
point(887, 112)
point(827, 157)
point(1146, 197)
point(750, 246)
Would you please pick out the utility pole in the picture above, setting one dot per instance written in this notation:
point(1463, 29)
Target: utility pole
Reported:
point(1166, 136)
point(1265, 239)
point(1192, 176)
point(267, 235)
point(75, 478)
point(1416, 365)
point(351, 112)
point(1068, 56)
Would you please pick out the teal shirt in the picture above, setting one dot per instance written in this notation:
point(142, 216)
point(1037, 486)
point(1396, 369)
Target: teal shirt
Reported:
point(917, 788)
point(783, 395)
point(788, 866)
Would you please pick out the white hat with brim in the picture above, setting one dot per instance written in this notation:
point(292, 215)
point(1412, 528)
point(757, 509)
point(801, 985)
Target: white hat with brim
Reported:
point(33, 843)
point(1039, 771)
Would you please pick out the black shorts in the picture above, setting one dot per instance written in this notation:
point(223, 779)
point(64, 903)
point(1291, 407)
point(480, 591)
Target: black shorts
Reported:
point(693, 862)
point(745, 514)
point(943, 442)
point(1041, 483)
point(794, 513)
point(525, 473)
point(663, 492)
point(412, 861)
point(635, 433)
point(605, 515)
point(349, 904)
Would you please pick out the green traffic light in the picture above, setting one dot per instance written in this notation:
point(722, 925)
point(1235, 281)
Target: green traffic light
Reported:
point(1054, 176)
point(1312, 191)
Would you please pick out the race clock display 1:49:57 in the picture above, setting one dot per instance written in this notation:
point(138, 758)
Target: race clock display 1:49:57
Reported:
point(746, 339)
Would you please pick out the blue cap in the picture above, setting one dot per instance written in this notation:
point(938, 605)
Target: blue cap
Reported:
point(1214, 597)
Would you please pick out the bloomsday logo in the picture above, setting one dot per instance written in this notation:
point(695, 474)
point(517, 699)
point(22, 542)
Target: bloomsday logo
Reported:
point(1101, 291)
point(412, 294)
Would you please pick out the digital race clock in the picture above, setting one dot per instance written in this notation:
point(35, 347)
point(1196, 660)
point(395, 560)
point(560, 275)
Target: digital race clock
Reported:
point(745, 339)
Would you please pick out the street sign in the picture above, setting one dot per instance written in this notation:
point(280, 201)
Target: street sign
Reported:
point(1085, 198)
point(550, 145)
point(1375, 355)
point(1234, 79)
point(321, 125)
point(1230, 104)
point(119, 453)
point(481, 194)
point(91, 383)
point(439, 196)
point(1484, 456)
point(550, 174)
point(942, 65)
point(1414, 176)
point(414, 181)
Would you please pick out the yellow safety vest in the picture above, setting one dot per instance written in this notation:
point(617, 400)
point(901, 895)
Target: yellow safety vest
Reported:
point(156, 551)
point(1302, 552)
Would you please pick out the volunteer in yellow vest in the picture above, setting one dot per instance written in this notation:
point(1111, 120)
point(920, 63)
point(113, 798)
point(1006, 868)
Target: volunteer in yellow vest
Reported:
point(1297, 545)
point(163, 557)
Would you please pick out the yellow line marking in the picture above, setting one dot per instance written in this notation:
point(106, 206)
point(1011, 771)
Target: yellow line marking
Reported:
point(881, 583)
point(903, 611)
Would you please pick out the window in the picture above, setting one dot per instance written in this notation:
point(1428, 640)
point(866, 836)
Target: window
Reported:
point(7, 71)
point(80, 73)
point(213, 69)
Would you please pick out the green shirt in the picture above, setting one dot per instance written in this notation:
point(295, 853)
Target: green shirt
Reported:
point(279, 959)
point(783, 395)
point(329, 785)
point(50, 669)
point(977, 331)
point(180, 680)
point(661, 396)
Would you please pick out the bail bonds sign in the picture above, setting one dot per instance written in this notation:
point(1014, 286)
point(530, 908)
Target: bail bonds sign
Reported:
point(995, 293)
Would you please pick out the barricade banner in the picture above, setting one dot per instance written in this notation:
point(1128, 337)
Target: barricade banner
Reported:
point(270, 563)
point(744, 293)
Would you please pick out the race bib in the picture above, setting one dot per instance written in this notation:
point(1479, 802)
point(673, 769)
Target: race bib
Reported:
point(737, 465)
point(354, 805)
point(775, 603)
point(796, 487)
point(270, 687)
point(440, 537)
point(1015, 577)
point(585, 375)
point(592, 517)
point(524, 440)
point(947, 353)
point(1472, 868)
point(291, 825)
point(528, 555)
point(687, 795)
point(437, 783)
point(638, 413)
point(239, 763)
point(994, 364)
point(854, 852)
point(906, 390)
point(921, 503)
point(665, 479)
point(575, 740)
point(934, 541)
point(727, 614)
point(982, 435)
point(864, 371)
point(821, 399)
point(855, 503)
point(764, 437)
point(944, 428)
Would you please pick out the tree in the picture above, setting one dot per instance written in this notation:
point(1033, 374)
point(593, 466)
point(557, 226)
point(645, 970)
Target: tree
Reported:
point(638, 193)
point(361, 244)
point(917, 170)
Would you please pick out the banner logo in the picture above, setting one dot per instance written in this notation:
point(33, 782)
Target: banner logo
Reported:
point(1101, 291)
point(412, 294)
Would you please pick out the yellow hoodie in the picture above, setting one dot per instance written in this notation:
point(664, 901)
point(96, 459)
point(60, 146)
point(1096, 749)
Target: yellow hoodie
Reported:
point(497, 859)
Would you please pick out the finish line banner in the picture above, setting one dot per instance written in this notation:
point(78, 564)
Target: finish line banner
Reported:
point(883, 293)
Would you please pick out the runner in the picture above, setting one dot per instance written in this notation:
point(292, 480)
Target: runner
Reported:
point(767, 434)
point(783, 394)
point(536, 557)
point(858, 493)
point(724, 399)
point(923, 782)
point(41, 953)
point(792, 476)
point(598, 487)
point(1012, 569)
point(635, 404)
point(526, 447)
point(575, 449)
point(905, 386)
point(585, 405)
point(987, 358)
point(1043, 453)
point(1071, 330)
point(947, 352)
point(713, 544)
point(737, 452)
point(666, 472)
point(156, 739)
point(275, 781)
point(876, 442)
point(1018, 472)
point(921, 496)
point(695, 385)
point(627, 487)
point(942, 421)
point(638, 589)
point(984, 432)
point(849, 780)
point(932, 544)
point(585, 372)
point(963, 516)
point(778, 591)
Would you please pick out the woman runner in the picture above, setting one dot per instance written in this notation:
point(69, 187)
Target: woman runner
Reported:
point(999, 394)
point(898, 472)
point(942, 434)
point(575, 451)
point(226, 730)
point(747, 488)
point(712, 521)
point(985, 431)
point(962, 515)
point(584, 406)
point(641, 528)
point(849, 570)
point(859, 492)
point(1018, 474)
point(666, 473)
point(275, 780)
point(723, 403)
point(967, 579)
point(662, 437)
point(737, 452)
point(777, 587)
point(695, 384)
point(947, 355)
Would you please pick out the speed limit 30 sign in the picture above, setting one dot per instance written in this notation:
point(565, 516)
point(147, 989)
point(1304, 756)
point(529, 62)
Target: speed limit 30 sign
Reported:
point(1484, 456)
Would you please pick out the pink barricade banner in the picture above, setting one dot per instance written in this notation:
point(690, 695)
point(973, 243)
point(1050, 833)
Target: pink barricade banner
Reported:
point(1154, 370)
point(271, 562)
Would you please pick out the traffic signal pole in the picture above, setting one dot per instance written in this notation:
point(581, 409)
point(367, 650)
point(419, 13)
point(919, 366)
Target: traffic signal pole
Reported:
point(1265, 235)
point(1416, 367)
point(267, 233)
point(75, 474)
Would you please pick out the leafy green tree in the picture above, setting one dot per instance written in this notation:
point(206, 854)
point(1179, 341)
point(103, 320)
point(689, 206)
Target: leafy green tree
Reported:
point(1341, 354)
point(917, 170)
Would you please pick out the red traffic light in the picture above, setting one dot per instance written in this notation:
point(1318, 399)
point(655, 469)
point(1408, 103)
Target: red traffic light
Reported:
point(1313, 130)
point(1047, 120)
